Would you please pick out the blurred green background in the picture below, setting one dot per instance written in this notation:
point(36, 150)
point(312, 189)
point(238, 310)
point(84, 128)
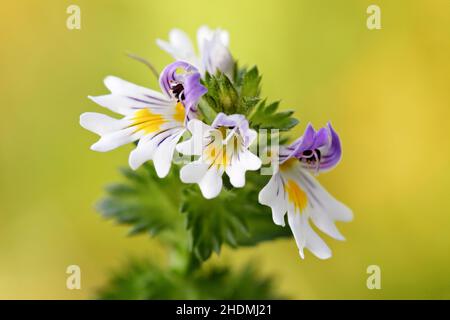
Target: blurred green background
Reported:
point(386, 92)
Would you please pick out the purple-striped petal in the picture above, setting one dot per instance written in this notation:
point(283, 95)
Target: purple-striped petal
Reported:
point(174, 73)
point(316, 150)
point(333, 153)
point(193, 91)
point(181, 80)
point(236, 122)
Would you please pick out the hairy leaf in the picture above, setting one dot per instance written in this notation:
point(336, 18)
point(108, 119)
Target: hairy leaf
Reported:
point(143, 280)
point(144, 201)
point(238, 96)
point(266, 116)
point(234, 217)
point(222, 95)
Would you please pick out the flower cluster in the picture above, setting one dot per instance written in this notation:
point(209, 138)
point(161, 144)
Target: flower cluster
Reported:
point(206, 110)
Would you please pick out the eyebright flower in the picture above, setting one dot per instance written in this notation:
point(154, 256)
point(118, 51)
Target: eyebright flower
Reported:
point(212, 45)
point(294, 190)
point(156, 119)
point(222, 147)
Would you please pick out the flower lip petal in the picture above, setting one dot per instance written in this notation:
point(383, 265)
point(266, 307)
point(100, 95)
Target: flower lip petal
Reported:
point(305, 142)
point(333, 153)
point(193, 91)
point(189, 90)
point(324, 144)
point(170, 74)
point(322, 139)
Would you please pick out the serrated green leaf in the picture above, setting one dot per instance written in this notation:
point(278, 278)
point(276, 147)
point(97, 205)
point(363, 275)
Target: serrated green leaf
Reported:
point(238, 96)
point(267, 116)
point(234, 218)
point(251, 83)
point(208, 112)
point(144, 280)
point(222, 95)
point(242, 96)
point(210, 222)
point(144, 201)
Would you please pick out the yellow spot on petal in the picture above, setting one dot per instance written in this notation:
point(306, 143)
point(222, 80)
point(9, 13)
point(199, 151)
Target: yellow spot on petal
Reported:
point(223, 132)
point(147, 121)
point(296, 195)
point(217, 154)
point(220, 151)
point(288, 164)
point(180, 113)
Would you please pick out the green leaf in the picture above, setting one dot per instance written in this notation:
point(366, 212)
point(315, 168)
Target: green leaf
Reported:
point(209, 113)
point(210, 221)
point(266, 116)
point(249, 88)
point(144, 201)
point(234, 217)
point(242, 96)
point(222, 95)
point(143, 280)
point(239, 96)
point(251, 83)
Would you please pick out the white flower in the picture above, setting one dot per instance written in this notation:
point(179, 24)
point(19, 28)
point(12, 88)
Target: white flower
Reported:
point(294, 190)
point(157, 120)
point(212, 46)
point(222, 147)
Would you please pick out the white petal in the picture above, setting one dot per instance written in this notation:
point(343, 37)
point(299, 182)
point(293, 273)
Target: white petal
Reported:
point(317, 205)
point(237, 175)
point(143, 152)
point(272, 195)
point(224, 37)
point(194, 146)
point(325, 202)
point(306, 237)
point(163, 155)
point(126, 97)
point(249, 160)
point(239, 166)
point(252, 136)
point(211, 184)
point(180, 40)
point(193, 172)
point(216, 56)
point(204, 33)
point(190, 147)
point(166, 46)
point(198, 128)
point(125, 88)
point(115, 103)
point(115, 139)
point(100, 123)
point(179, 47)
point(324, 223)
point(162, 158)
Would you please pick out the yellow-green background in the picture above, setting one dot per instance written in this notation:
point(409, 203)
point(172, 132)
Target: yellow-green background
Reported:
point(387, 93)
